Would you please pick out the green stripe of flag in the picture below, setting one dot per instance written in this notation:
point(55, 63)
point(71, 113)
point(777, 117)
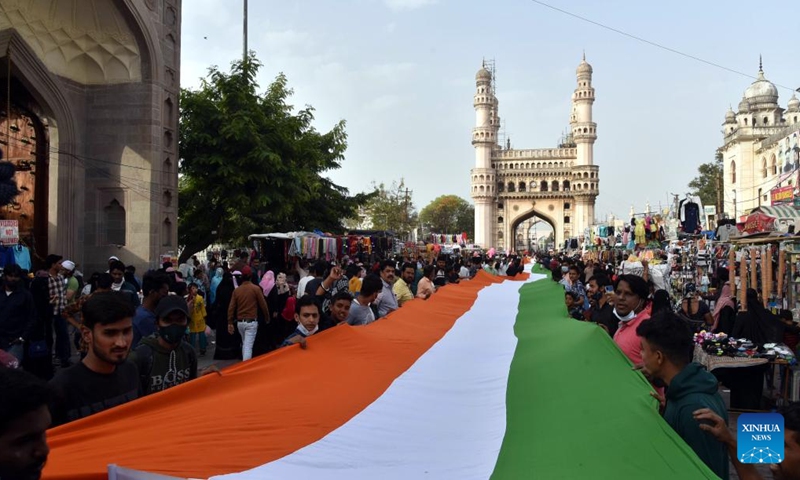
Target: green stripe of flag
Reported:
point(575, 408)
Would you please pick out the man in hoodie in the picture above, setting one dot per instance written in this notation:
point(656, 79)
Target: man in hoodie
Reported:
point(667, 348)
point(165, 359)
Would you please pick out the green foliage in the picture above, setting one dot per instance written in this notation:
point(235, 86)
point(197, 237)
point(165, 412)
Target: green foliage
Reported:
point(705, 185)
point(251, 164)
point(449, 214)
point(391, 208)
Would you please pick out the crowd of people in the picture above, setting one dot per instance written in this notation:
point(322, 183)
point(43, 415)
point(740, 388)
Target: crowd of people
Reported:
point(137, 336)
point(657, 336)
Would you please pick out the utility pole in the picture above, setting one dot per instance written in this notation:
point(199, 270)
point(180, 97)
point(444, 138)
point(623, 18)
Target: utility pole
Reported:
point(244, 27)
point(405, 214)
point(719, 197)
point(675, 212)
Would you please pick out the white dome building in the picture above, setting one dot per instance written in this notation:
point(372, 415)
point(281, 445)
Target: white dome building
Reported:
point(753, 161)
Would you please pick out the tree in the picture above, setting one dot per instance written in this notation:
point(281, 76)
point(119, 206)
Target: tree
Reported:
point(708, 184)
point(391, 208)
point(449, 214)
point(249, 163)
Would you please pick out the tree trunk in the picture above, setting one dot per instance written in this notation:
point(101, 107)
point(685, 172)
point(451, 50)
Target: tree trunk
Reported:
point(194, 247)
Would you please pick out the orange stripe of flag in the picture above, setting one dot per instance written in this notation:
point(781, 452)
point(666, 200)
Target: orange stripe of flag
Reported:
point(264, 409)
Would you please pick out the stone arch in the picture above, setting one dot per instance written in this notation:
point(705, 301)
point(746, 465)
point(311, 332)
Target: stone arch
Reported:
point(774, 165)
point(482, 189)
point(521, 187)
point(566, 185)
point(764, 170)
point(733, 172)
point(554, 186)
point(511, 187)
point(544, 186)
point(558, 227)
point(586, 186)
point(500, 187)
point(42, 85)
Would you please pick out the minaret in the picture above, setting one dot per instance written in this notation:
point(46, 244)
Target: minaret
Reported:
point(584, 133)
point(484, 139)
point(584, 130)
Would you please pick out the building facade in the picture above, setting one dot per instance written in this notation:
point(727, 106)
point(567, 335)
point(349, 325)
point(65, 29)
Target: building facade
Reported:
point(509, 186)
point(757, 151)
point(89, 118)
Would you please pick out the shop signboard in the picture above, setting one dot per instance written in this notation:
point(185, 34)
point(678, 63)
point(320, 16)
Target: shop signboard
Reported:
point(758, 222)
point(9, 232)
point(782, 195)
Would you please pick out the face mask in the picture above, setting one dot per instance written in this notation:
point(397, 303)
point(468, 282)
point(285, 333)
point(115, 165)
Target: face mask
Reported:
point(627, 318)
point(564, 269)
point(305, 331)
point(172, 334)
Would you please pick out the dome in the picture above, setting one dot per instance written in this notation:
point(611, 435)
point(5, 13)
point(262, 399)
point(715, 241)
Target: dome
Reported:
point(761, 91)
point(744, 105)
point(584, 67)
point(794, 104)
point(483, 74)
point(730, 117)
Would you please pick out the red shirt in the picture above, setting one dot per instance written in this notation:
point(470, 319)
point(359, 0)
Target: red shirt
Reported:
point(627, 340)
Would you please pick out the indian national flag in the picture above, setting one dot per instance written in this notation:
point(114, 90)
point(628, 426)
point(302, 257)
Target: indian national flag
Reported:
point(487, 379)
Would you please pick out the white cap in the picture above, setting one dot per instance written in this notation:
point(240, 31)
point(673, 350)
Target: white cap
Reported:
point(69, 265)
point(113, 258)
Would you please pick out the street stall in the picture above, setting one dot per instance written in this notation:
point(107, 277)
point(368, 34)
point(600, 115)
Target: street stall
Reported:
point(763, 261)
point(280, 250)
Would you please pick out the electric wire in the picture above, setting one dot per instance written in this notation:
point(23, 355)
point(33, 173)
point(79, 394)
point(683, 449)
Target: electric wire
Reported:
point(651, 43)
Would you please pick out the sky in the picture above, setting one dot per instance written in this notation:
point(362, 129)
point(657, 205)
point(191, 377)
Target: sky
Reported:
point(402, 74)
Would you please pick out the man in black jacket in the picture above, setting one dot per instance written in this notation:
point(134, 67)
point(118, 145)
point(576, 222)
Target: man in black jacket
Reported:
point(602, 311)
point(17, 313)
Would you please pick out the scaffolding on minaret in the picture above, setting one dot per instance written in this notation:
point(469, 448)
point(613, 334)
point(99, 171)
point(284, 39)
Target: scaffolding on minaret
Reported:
point(503, 138)
point(490, 66)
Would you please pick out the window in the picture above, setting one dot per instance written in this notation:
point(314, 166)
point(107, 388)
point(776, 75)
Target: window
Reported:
point(499, 219)
point(745, 121)
point(555, 185)
point(510, 186)
point(500, 187)
point(567, 206)
point(759, 197)
point(499, 206)
point(774, 165)
point(764, 167)
point(115, 223)
point(733, 172)
point(166, 233)
point(544, 186)
point(566, 219)
point(521, 186)
point(766, 121)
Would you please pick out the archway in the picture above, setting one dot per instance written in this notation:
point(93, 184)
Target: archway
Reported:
point(533, 231)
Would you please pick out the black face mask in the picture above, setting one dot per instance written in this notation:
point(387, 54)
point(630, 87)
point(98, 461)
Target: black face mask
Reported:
point(172, 334)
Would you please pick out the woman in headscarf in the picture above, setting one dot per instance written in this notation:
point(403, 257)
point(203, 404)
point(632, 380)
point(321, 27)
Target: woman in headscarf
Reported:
point(757, 324)
point(214, 285)
point(277, 296)
point(228, 347)
point(267, 336)
point(660, 302)
point(724, 311)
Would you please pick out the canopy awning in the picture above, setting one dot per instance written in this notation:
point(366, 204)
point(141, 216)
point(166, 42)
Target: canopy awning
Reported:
point(780, 211)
